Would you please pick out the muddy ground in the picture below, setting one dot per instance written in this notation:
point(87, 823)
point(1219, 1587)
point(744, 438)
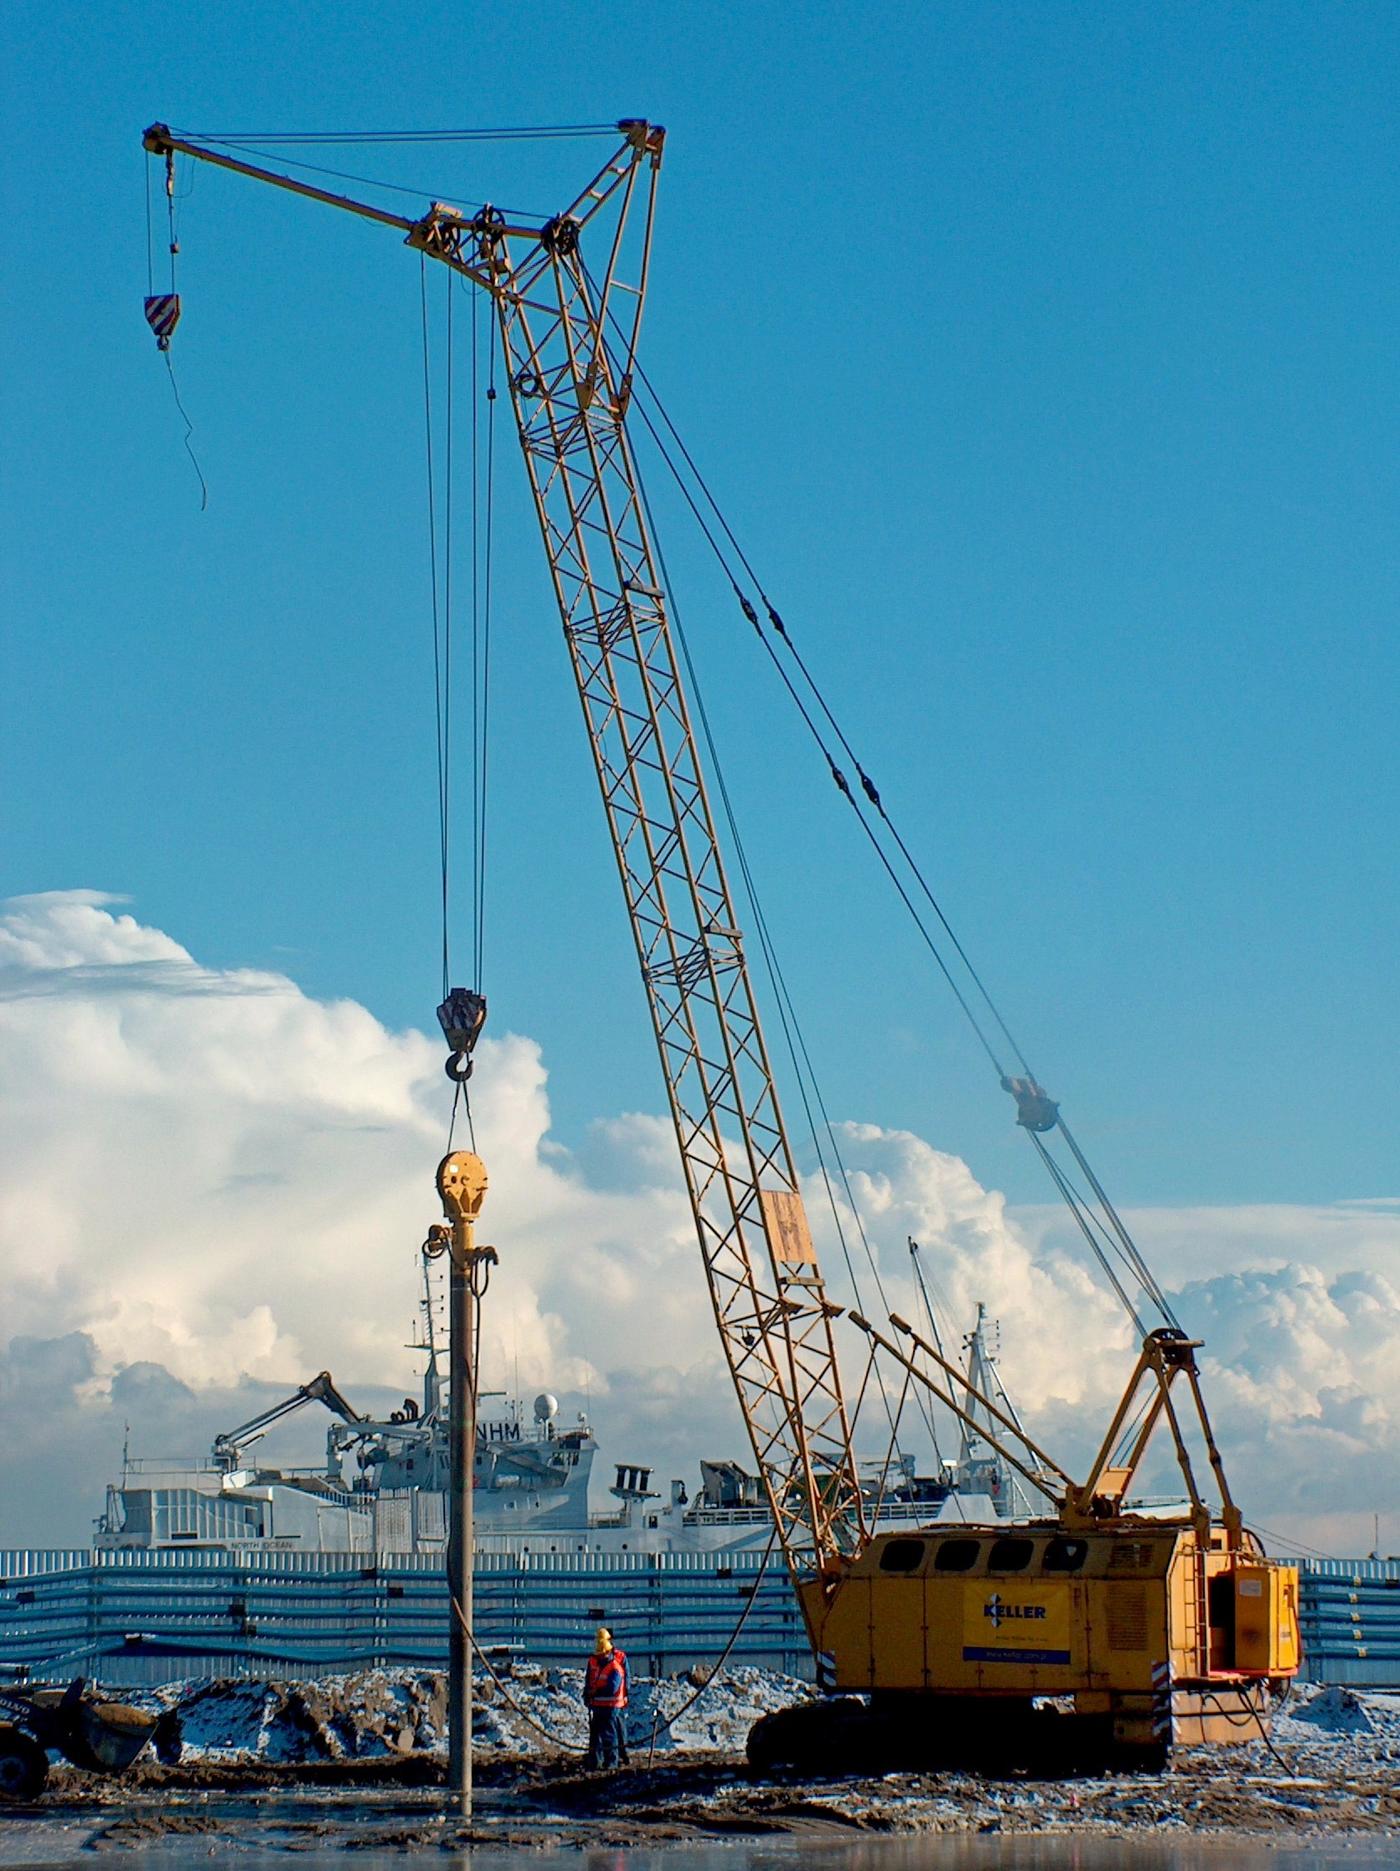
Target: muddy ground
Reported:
point(537, 1802)
point(357, 1764)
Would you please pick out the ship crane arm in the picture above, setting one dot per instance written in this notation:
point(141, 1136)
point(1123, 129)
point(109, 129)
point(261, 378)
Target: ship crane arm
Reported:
point(228, 1448)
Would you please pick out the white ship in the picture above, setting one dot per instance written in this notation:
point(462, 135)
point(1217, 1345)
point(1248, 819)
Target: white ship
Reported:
point(383, 1485)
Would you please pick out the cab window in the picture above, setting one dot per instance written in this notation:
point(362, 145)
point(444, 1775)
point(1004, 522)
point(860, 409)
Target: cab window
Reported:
point(1009, 1555)
point(957, 1555)
point(902, 1556)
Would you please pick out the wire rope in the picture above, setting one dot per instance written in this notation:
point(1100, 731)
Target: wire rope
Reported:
point(487, 595)
point(418, 194)
point(783, 996)
point(189, 434)
point(837, 775)
point(1292, 1545)
point(938, 1345)
point(794, 1037)
point(658, 1727)
point(1124, 1241)
point(1132, 1429)
point(1062, 1183)
point(867, 784)
point(1128, 1245)
point(365, 181)
point(437, 621)
point(476, 619)
point(445, 746)
point(517, 131)
point(174, 245)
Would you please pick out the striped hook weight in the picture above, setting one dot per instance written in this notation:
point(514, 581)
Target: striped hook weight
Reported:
point(163, 315)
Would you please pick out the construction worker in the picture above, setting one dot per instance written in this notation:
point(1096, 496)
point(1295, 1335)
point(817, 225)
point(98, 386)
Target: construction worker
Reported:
point(605, 1697)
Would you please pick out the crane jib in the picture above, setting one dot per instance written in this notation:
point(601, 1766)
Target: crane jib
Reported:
point(570, 394)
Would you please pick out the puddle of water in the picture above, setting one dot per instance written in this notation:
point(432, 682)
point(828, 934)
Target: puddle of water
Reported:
point(272, 1833)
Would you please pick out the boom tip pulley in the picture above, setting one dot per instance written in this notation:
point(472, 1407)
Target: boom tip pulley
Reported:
point(641, 134)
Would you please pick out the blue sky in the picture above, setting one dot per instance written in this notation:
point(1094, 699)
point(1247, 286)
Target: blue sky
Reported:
point(1044, 359)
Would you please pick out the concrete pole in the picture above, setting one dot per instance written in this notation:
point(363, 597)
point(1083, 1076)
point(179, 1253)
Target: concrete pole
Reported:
point(461, 1181)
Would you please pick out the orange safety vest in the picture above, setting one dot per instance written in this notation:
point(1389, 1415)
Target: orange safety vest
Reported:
point(605, 1680)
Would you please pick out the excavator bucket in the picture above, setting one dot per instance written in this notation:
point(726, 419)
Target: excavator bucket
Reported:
point(111, 1734)
point(87, 1728)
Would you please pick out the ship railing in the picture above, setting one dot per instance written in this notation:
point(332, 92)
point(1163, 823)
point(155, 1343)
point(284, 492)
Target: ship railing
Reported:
point(917, 1511)
point(169, 1465)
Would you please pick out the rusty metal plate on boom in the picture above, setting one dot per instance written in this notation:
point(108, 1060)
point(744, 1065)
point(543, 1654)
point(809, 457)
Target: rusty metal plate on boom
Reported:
point(785, 1224)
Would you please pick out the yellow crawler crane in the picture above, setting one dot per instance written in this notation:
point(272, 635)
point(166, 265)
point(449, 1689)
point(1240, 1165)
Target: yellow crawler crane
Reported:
point(1096, 1629)
point(976, 1640)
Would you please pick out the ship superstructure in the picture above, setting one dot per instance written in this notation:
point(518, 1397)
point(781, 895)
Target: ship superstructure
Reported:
point(382, 1487)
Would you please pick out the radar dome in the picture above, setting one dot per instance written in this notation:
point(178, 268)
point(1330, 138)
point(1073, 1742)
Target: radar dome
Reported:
point(546, 1407)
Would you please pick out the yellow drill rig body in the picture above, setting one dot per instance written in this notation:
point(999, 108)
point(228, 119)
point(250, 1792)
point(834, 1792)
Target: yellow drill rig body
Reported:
point(1152, 1634)
point(1144, 1628)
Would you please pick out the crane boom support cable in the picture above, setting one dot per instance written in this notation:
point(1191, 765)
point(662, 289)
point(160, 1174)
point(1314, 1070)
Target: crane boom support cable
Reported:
point(1118, 1244)
point(400, 136)
point(838, 777)
point(1124, 1244)
point(1128, 1247)
point(867, 784)
point(1062, 1183)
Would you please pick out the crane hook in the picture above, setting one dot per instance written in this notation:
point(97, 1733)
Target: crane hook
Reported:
point(461, 1017)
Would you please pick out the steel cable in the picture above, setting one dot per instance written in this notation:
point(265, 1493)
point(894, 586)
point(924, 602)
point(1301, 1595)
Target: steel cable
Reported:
point(1127, 1247)
point(867, 784)
point(523, 132)
point(658, 1727)
point(484, 685)
point(437, 622)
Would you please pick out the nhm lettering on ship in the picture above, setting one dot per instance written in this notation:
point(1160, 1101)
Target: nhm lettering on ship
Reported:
point(1032, 1627)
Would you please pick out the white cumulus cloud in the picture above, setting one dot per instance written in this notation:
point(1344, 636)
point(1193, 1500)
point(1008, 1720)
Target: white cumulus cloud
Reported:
point(215, 1185)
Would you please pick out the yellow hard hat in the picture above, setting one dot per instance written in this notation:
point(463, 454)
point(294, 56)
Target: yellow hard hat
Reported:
point(603, 1643)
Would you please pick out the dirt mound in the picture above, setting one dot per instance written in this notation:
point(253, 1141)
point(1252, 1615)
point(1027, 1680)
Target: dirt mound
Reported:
point(532, 1710)
point(336, 1718)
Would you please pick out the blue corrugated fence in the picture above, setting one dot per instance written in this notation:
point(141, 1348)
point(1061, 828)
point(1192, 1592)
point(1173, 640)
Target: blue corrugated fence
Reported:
point(145, 1617)
point(142, 1617)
